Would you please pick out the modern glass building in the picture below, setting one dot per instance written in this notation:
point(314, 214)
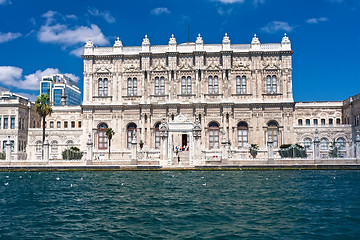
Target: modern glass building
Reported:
point(59, 85)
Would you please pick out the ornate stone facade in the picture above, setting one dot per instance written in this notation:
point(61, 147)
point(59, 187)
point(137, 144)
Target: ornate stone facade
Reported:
point(191, 103)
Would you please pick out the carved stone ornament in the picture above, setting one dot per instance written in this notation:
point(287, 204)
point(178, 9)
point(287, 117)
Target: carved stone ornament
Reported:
point(181, 119)
point(159, 67)
point(185, 66)
point(103, 68)
point(213, 66)
point(131, 68)
point(197, 128)
point(164, 128)
point(245, 65)
point(271, 65)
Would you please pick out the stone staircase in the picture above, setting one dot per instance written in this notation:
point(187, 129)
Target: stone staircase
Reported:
point(184, 158)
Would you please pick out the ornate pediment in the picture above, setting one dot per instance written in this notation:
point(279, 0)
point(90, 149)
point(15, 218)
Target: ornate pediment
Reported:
point(181, 119)
point(159, 67)
point(241, 65)
point(185, 66)
point(131, 68)
point(103, 68)
point(271, 65)
point(213, 66)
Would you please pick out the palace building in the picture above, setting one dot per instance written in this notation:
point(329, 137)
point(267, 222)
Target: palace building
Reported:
point(188, 101)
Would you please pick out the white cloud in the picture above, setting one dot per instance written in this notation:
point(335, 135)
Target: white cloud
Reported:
point(5, 37)
point(78, 52)
point(71, 16)
point(104, 14)
point(12, 76)
point(221, 11)
point(53, 32)
point(276, 26)
point(31, 97)
point(316, 20)
point(159, 11)
point(3, 2)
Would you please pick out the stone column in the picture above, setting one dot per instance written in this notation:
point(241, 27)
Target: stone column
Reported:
point(357, 147)
point(197, 142)
point(270, 150)
point(224, 149)
point(316, 145)
point(165, 148)
point(8, 149)
point(134, 150)
point(89, 150)
point(46, 151)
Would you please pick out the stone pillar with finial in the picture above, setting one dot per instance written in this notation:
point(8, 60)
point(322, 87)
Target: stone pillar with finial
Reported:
point(224, 148)
point(285, 43)
point(255, 43)
point(316, 145)
point(89, 150)
point(357, 147)
point(8, 149)
point(46, 150)
point(197, 142)
point(118, 47)
point(226, 43)
point(134, 150)
point(145, 46)
point(199, 43)
point(172, 44)
point(89, 47)
point(164, 151)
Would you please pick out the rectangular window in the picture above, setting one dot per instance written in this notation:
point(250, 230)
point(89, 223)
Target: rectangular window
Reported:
point(338, 121)
point(72, 124)
point(51, 124)
point(65, 124)
point(307, 122)
point(0, 123)
point(79, 124)
point(12, 123)
point(315, 121)
point(322, 121)
point(300, 122)
point(58, 124)
point(331, 121)
point(6, 122)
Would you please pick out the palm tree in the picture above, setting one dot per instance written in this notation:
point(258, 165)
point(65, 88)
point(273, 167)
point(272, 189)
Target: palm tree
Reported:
point(43, 108)
point(109, 133)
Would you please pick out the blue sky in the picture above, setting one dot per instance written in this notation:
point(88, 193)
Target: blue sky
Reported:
point(42, 37)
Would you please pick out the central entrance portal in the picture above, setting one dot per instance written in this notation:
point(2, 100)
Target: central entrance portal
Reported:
point(184, 140)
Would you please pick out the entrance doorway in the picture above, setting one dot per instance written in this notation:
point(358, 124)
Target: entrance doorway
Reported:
point(184, 140)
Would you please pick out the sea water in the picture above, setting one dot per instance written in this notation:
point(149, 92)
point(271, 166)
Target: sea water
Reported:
point(180, 205)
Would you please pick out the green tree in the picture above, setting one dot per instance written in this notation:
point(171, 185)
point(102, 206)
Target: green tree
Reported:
point(109, 133)
point(43, 109)
point(334, 150)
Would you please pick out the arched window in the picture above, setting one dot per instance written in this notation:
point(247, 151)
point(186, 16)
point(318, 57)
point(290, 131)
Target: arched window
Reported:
point(271, 84)
point(38, 147)
point(183, 85)
point(242, 134)
point(186, 85)
point(273, 133)
point(156, 85)
point(324, 145)
point(307, 143)
point(100, 86)
point(213, 135)
point(243, 85)
point(340, 143)
point(210, 85)
point(274, 83)
point(105, 92)
point(162, 85)
point(131, 131)
point(132, 86)
point(157, 136)
point(238, 85)
point(102, 138)
point(54, 147)
point(213, 85)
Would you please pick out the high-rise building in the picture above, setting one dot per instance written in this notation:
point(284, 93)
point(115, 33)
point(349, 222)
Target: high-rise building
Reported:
point(60, 86)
